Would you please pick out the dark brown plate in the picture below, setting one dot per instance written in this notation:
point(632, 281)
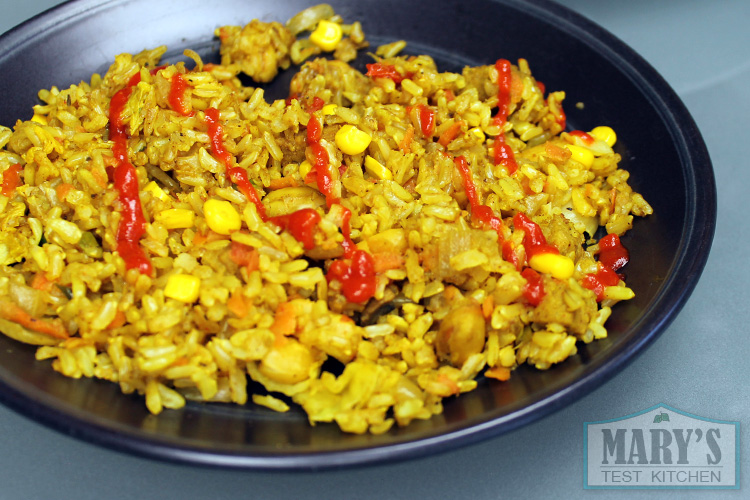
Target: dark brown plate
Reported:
point(658, 140)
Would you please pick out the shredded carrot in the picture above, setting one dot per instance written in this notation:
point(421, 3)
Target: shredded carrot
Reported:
point(498, 373)
point(450, 133)
point(214, 236)
point(285, 320)
point(14, 313)
point(555, 152)
point(282, 182)
point(63, 189)
point(100, 179)
point(525, 185)
point(11, 179)
point(117, 321)
point(244, 256)
point(40, 282)
point(199, 239)
point(516, 86)
point(237, 304)
point(444, 379)
point(450, 293)
point(488, 305)
point(405, 144)
point(387, 260)
point(449, 95)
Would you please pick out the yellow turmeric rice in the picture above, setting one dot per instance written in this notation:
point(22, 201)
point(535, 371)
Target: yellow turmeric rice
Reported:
point(376, 242)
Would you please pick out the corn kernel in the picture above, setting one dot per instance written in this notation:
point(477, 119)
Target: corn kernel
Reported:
point(304, 169)
point(477, 132)
point(329, 109)
point(327, 35)
point(559, 266)
point(351, 140)
point(618, 293)
point(157, 192)
point(183, 287)
point(176, 218)
point(221, 216)
point(376, 169)
point(581, 155)
point(605, 134)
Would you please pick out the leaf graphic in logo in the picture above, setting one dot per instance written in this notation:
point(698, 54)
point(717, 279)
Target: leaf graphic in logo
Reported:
point(661, 417)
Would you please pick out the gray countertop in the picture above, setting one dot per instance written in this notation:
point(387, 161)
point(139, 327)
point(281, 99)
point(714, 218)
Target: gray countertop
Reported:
point(698, 364)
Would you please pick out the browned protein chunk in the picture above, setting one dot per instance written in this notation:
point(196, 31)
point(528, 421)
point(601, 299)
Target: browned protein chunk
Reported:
point(554, 308)
point(259, 49)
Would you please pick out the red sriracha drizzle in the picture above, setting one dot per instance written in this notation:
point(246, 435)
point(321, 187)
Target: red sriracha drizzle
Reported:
point(533, 240)
point(235, 174)
point(357, 277)
point(427, 120)
point(533, 290)
point(534, 243)
point(612, 257)
point(582, 135)
point(503, 152)
point(611, 252)
point(482, 213)
point(132, 223)
point(177, 92)
point(323, 174)
point(598, 281)
point(301, 224)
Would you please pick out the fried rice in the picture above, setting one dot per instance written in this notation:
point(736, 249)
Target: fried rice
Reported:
point(375, 243)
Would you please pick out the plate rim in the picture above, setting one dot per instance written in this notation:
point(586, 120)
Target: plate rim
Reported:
point(696, 163)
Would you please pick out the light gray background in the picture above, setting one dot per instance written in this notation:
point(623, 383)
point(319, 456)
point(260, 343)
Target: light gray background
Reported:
point(699, 364)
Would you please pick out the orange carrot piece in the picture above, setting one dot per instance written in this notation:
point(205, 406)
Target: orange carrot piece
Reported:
point(285, 320)
point(384, 261)
point(555, 152)
point(14, 313)
point(450, 133)
point(100, 178)
point(117, 321)
point(40, 282)
point(488, 305)
point(498, 373)
point(63, 189)
point(11, 179)
point(246, 256)
point(405, 144)
point(199, 239)
point(282, 182)
point(237, 304)
point(516, 86)
point(444, 379)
